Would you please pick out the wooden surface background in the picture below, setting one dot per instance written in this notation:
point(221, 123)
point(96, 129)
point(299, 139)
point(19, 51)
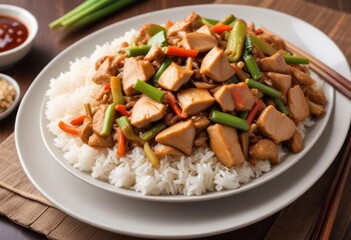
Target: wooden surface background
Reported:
point(294, 221)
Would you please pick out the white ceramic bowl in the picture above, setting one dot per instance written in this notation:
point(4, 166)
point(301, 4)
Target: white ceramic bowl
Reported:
point(15, 102)
point(10, 57)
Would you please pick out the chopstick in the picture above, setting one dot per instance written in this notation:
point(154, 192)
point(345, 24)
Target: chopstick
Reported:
point(326, 217)
point(339, 82)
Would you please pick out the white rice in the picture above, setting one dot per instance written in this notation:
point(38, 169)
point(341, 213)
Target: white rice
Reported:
point(190, 175)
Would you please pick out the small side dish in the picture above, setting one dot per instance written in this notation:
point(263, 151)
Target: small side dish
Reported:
point(9, 95)
point(184, 108)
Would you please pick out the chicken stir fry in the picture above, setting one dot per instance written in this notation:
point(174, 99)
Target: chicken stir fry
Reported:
point(196, 83)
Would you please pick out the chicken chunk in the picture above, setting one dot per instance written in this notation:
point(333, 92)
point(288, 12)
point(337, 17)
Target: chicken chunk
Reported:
point(194, 100)
point(282, 82)
point(205, 29)
point(174, 77)
point(105, 69)
point(264, 149)
point(98, 119)
point(86, 130)
point(216, 66)
point(96, 140)
point(274, 63)
point(155, 53)
point(180, 135)
point(147, 110)
point(243, 97)
point(276, 42)
point(295, 143)
point(199, 41)
point(224, 142)
point(191, 22)
point(224, 98)
point(301, 77)
point(297, 104)
point(162, 150)
point(134, 70)
point(275, 124)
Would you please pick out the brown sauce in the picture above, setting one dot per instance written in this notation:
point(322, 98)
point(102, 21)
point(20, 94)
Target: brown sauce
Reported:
point(12, 33)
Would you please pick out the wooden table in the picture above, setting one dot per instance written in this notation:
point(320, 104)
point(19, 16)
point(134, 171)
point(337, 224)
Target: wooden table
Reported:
point(49, 43)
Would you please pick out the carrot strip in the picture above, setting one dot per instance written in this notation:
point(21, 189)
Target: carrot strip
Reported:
point(121, 139)
point(169, 24)
point(68, 129)
point(237, 99)
point(173, 103)
point(107, 87)
point(235, 67)
point(259, 31)
point(78, 120)
point(254, 111)
point(181, 52)
point(221, 28)
point(122, 110)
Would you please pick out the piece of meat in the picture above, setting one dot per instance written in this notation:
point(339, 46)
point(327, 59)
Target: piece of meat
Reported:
point(174, 77)
point(180, 135)
point(134, 70)
point(143, 35)
point(224, 142)
point(264, 149)
point(297, 104)
point(282, 82)
point(276, 42)
point(200, 122)
point(216, 66)
point(162, 150)
point(96, 140)
point(275, 124)
point(155, 53)
point(243, 97)
point(206, 29)
point(274, 63)
point(86, 130)
point(316, 96)
point(295, 143)
point(199, 41)
point(201, 139)
point(224, 98)
point(147, 110)
point(304, 79)
point(98, 119)
point(105, 69)
point(190, 23)
point(194, 100)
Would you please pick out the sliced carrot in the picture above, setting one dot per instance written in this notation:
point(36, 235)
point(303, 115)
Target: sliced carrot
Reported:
point(78, 120)
point(221, 28)
point(253, 112)
point(107, 87)
point(121, 139)
point(259, 31)
point(68, 129)
point(235, 67)
point(237, 99)
point(169, 24)
point(181, 52)
point(173, 104)
point(122, 110)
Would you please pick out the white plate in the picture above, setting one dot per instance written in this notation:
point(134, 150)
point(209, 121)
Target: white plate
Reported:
point(184, 220)
point(107, 35)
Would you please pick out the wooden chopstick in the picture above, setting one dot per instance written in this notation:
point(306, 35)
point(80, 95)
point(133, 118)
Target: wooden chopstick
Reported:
point(326, 218)
point(339, 82)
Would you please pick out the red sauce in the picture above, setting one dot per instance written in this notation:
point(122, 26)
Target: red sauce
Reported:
point(12, 33)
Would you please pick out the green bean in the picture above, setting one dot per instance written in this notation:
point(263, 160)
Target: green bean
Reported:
point(152, 132)
point(289, 59)
point(108, 120)
point(149, 90)
point(230, 120)
point(127, 130)
point(116, 90)
point(209, 22)
point(247, 45)
point(262, 45)
point(271, 92)
point(138, 50)
point(151, 155)
point(281, 107)
point(236, 41)
point(159, 72)
point(158, 39)
point(251, 65)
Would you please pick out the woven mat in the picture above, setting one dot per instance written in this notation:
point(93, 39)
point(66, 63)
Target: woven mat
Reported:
point(23, 204)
